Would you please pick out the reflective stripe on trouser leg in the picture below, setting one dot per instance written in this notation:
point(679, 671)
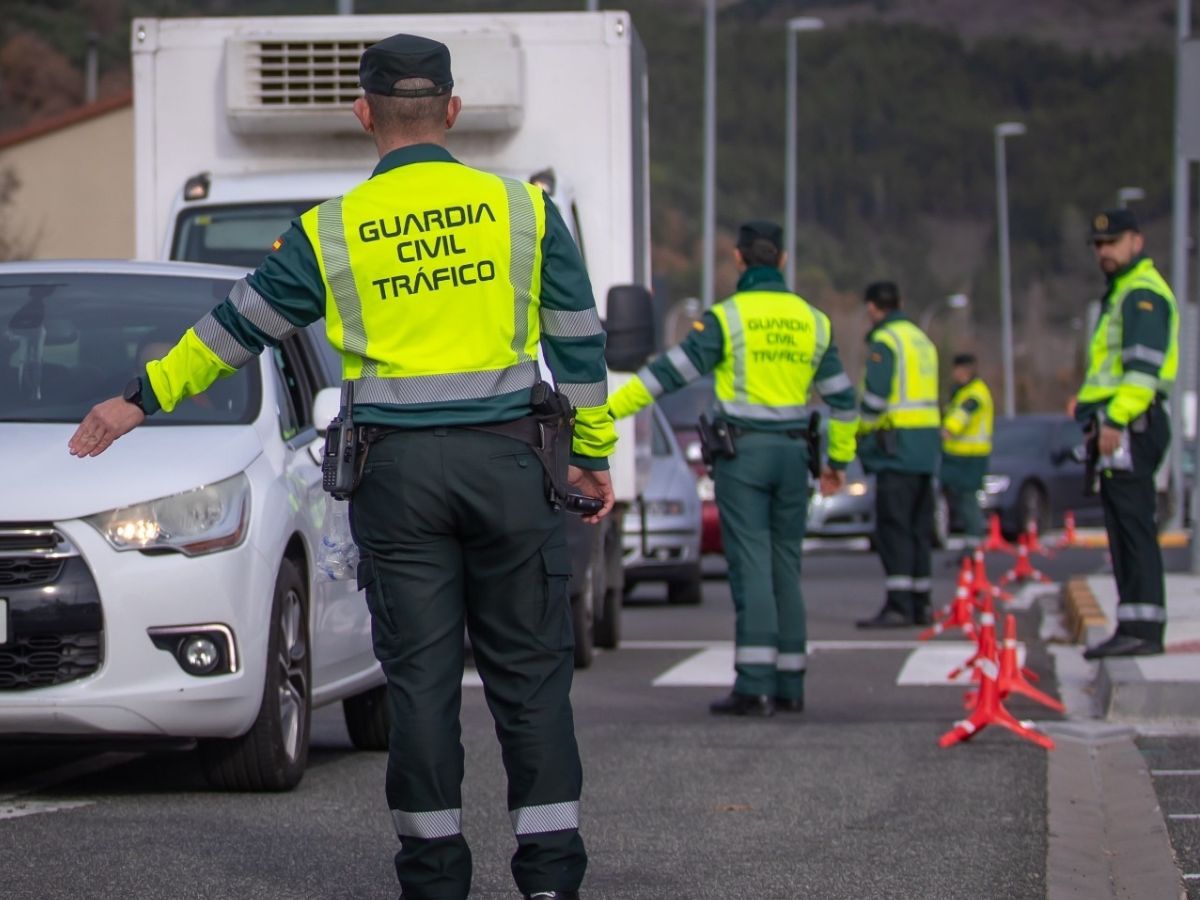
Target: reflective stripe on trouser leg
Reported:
point(438, 823)
point(545, 818)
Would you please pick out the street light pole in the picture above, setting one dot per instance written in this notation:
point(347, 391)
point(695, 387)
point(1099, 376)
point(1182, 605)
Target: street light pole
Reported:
point(794, 26)
point(1002, 131)
point(710, 153)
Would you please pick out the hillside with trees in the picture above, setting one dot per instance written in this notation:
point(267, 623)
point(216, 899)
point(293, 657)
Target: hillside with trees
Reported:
point(898, 99)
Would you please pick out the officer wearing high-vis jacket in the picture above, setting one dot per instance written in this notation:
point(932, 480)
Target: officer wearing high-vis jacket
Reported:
point(967, 445)
point(437, 283)
point(900, 445)
point(768, 348)
point(1132, 361)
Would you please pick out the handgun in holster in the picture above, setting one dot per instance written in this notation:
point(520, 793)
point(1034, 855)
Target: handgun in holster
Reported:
point(812, 437)
point(1091, 459)
point(716, 440)
point(556, 428)
point(345, 450)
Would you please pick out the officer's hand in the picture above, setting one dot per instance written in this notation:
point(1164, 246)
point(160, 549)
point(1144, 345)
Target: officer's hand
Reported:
point(104, 424)
point(1110, 440)
point(592, 484)
point(832, 481)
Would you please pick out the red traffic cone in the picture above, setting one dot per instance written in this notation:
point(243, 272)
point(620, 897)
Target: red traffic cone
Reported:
point(985, 639)
point(990, 711)
point(1035, 543)
point(981, 586)
point(995, 540)
point(1069, 537)
point(959, 613)
point(1023, 571)
point(1013, 677)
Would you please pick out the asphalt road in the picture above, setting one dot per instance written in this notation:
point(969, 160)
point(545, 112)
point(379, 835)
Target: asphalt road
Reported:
point(853, 798)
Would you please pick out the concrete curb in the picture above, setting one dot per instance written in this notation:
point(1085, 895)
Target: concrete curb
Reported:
point(1106, 834)
point(1082, 611)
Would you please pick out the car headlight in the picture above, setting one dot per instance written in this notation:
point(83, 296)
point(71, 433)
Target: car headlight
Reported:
point(664, 508)
point(205, 520)
point(705, 488)
point(996, 484)
point(857, 488)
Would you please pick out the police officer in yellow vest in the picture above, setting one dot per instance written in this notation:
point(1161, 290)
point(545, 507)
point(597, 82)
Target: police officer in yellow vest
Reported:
point(437, 282)
point(899, 443)
point(967, 445)
point(768, 348)
point(1132, 361)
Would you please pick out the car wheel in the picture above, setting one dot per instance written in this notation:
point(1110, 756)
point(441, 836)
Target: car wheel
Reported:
point(1032, 507)
point(610, 590)
point(272, 755)
point(687, 591)
point(583, 617)
point(367, 719)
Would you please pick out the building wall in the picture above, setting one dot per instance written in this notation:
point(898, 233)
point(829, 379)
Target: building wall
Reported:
point(75, 193)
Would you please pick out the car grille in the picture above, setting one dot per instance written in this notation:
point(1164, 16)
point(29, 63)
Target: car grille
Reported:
point(28, 571)
point(45, 660)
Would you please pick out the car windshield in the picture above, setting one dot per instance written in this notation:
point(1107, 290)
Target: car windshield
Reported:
point(234, 235)
point(683, 407)
point(1015, 437)
point(71, 339)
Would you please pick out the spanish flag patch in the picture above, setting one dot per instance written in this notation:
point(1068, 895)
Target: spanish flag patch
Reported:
point(1146, 305)
point(699, 326)
point(278, 243)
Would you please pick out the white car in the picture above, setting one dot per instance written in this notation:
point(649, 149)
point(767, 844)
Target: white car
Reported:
point(167, 588)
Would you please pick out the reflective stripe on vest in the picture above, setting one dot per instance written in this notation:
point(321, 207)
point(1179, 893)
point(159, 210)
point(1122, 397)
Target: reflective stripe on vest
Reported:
point(774, 342)
point(913, 401)
point(409, 257)
point(1107, 357)
point(976, 438)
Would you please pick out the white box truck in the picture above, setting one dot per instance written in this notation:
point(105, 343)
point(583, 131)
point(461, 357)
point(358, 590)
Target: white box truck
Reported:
point(241, 124)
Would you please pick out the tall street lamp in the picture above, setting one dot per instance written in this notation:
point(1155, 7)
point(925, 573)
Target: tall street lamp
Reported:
point(794, 26)
point(710, 152)
point(1005, 130)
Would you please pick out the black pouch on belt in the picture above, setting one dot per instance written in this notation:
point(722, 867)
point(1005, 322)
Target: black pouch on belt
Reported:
point(812, 437)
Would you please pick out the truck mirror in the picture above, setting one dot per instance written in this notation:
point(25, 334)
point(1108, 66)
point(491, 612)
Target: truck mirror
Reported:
point(630, 327)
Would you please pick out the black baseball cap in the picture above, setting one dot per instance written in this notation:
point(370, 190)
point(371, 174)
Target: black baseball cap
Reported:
point(884, 294)
point(749, 232)
point(1112, 223)
point(964, 359)
point(405, 56)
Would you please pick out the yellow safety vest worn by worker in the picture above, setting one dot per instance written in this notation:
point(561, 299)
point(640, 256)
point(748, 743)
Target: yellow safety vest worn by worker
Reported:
point(970, 430)
point(1129, 391)
point(913, 399)
point(774, 344)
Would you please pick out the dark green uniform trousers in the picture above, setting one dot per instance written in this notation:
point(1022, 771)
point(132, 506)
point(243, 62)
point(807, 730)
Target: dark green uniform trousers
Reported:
point(1129, 507)
point(904, 538)
point(962, 478)
point(762, 495)
point(454, 528)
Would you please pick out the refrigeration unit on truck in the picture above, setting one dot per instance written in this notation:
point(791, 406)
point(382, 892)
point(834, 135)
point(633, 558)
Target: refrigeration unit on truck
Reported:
point(242, 124)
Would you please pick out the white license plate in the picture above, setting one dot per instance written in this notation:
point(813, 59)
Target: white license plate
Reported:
point(3, 621)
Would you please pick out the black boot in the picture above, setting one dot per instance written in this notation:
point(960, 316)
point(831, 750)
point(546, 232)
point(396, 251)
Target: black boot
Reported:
point(888, 617)
point(1123, 645)
point(743, 705)
point(789, 704)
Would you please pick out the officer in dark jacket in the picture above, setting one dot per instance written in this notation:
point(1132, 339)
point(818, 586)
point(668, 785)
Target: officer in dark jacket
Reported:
point(1132, 361)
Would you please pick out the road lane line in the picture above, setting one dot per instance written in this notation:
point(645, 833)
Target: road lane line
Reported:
point(813, 646)
point(1171, 773)
point(1184, 817)
point(18, 809)
point(931, 664)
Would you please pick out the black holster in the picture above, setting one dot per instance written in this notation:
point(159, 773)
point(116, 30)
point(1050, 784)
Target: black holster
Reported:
point(812, 437)
point(716, 440)
point(888, 441)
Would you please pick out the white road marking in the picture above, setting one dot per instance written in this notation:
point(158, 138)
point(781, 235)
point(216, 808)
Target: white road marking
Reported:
point(813, 646)
point(471, 678)
point(1168, 773)
point(708, 668)
point(1184, 817)
point(17, 808)
point(931, 664)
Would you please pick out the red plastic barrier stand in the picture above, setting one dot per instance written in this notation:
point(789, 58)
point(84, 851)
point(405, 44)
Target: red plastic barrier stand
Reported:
point(1024, 571)
point(985, 640)
point(1014, 678)
point(1069, 537)
point(959, 613)
point(995, 540)
point(981, 586)
point(1035, 543)
point(990, 711)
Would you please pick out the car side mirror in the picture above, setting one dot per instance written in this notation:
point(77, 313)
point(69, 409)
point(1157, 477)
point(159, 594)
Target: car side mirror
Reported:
point(326, 405)
point(630, 326)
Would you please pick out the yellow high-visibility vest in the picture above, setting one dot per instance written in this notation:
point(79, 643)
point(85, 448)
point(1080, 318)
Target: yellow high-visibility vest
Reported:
point(913, 400)
point(432, 274)
point(970, 432)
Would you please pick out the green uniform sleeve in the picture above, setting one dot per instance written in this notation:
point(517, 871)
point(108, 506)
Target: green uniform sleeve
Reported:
point(877, 384)
point(691, 359)
point(282, 295)
point(573, 342)
point(1146, 334)
point(837, 390)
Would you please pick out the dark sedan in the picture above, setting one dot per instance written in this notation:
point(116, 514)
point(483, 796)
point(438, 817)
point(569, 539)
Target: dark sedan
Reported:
point(1034, 476)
